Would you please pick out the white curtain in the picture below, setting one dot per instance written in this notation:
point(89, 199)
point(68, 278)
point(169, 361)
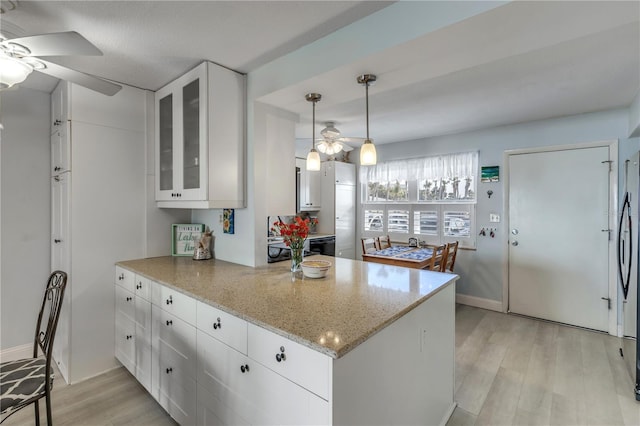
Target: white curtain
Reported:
point(448, 166)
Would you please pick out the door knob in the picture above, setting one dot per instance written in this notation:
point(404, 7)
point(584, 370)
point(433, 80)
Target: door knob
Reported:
point(515, 243)
point(514, 231)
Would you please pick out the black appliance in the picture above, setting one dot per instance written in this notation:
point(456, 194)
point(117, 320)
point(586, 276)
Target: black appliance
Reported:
point(278, 251)
point(323, 245)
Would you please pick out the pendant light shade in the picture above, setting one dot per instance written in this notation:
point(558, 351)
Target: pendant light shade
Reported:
point(313, 158)
point(368, 156)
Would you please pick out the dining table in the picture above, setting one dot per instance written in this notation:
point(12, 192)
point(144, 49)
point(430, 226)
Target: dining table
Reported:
point(409, 257)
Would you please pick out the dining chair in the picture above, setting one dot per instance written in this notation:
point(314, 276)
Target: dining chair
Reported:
point(450, 261)
point(369, 245)
point(384, 242)
point(437, 259)
point(26, 381)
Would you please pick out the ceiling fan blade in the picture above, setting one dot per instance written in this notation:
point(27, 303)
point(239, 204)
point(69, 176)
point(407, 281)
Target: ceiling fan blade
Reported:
point(57, 44)
point(89, 81)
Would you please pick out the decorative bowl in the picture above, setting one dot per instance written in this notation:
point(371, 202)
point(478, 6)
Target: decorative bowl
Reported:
point(315, 268)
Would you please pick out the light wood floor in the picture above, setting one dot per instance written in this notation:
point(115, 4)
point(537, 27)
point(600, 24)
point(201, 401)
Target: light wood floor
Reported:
point(509, 371)
point(512, 370)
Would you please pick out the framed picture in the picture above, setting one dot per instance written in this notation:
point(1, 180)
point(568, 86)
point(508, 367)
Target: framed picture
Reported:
point(185, 237)
point(490, 174)
point(228, 221)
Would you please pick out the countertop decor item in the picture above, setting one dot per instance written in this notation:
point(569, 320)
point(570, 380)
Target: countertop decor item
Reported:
point(228, 221)
point(294, 235)
point(184, 237)
point(204, 250)
point(315, 268)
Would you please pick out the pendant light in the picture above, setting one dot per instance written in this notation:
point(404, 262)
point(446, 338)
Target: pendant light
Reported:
point(368, 156)
point(313, 158)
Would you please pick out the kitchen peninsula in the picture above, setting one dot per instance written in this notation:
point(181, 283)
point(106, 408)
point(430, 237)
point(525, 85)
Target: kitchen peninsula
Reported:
point(368, 344)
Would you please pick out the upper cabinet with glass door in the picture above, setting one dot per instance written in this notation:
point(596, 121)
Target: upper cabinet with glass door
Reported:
point(200, 140)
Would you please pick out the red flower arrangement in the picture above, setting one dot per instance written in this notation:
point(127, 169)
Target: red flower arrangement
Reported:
point(294, 233)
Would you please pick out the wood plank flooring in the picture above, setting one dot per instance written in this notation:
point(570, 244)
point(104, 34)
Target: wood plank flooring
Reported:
point(510, 370)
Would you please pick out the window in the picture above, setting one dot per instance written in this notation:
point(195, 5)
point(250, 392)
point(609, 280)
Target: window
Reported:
point(431, 198)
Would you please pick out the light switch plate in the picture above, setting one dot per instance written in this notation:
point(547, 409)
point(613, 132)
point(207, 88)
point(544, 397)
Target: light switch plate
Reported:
point(494, 217)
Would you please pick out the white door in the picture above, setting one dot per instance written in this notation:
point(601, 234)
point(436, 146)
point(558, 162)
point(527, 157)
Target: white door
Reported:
point(558, 244)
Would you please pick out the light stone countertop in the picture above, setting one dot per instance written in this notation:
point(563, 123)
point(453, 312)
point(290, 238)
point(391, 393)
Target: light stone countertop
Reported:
point(332, 315)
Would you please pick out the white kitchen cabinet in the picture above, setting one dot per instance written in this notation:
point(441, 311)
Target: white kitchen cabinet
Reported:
point(200, 140)
point(133, 326)
point(59, 107)
point(97, 213)
point(242, 388)
point(309, 195)
point(338, 215)
point(173, 379)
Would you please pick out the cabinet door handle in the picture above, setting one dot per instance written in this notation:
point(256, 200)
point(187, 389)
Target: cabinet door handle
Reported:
point(169, 322)
point(129, 299)
point(244, 368)
point(169, 370)
point(129, 336)
point(281, 356)
point(139, 286)
point(217, 325)
point(170, 301)
point(57, 241)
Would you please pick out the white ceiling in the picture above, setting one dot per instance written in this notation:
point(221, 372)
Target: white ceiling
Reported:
point(519, 62)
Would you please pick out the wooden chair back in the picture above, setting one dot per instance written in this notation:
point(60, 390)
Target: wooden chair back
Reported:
point(369, 245)
point(450, 261)
point(438, 257)
point(384, 242)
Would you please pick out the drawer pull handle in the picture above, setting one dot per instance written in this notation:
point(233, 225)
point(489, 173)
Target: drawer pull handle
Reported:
point(129, 336)
point(281, 356)
point(139, 286)
point(121, 277)
point(169, 322)
point(244, 368)
point(129, 299)
point(170, 301)
point(217, 325)
point(169, 370)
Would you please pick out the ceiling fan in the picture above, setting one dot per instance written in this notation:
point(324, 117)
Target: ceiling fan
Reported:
point(20, 56)
point(332, 141)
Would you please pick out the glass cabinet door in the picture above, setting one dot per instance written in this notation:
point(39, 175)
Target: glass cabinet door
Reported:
point(191, 135)
point(165, 131)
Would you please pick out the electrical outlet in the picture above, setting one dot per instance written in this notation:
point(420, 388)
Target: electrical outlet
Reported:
point(494, 217)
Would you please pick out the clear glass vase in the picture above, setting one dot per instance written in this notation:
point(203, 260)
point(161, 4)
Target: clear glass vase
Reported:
point(297, 256)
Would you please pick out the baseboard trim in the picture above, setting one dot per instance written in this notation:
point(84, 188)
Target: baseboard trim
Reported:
point(17, 352)
point(479, 302)
point(449, 413)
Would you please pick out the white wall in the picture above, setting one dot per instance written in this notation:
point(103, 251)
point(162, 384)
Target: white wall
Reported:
point(25, 225)
point(481, 270)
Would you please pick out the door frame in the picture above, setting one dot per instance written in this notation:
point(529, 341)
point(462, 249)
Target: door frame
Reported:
point(612, 144)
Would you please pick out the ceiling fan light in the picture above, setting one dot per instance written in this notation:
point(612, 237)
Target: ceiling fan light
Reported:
point(330, 131)
point(322, 146)
point(368, 156)
point(313, 161)
point(337, 147)
point(12, 71)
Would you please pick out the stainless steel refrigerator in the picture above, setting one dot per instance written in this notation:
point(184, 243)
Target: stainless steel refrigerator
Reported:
point(628, 256)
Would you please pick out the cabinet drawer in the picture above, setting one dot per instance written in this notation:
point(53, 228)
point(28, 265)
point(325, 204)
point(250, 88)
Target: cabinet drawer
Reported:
point(176, 386)
point(174, 302)
point(125, 342)
point(125, 278)
point(300, 364)
point(214, 412)
point(223, 326)
point(170, 330)
point(125, 303)
point(143, 287)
